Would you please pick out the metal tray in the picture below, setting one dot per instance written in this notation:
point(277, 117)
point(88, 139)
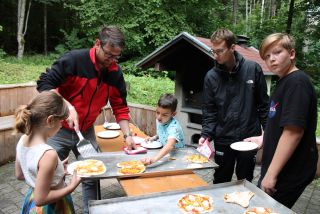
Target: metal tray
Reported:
point(166, 202)
point(174, 163)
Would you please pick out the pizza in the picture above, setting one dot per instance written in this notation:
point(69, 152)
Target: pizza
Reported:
point(197, 158)
point(195, 203)
point(129, 163)
point(259, 210)
point(134, 169)
point(89, 167)
point(241, 198)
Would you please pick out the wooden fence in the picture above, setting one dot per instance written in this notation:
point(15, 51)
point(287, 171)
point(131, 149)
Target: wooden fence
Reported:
point(11, 96)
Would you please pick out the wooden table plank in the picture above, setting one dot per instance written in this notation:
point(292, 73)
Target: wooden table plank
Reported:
point(145, 185)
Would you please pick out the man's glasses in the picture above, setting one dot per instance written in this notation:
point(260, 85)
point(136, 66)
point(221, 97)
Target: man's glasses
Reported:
point(218, 52)
point(110, 55)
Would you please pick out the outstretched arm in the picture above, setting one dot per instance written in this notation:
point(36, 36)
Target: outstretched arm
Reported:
point(165, 150)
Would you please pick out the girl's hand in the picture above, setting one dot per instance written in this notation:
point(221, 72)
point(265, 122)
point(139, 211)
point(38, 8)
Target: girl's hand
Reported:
point(76, 180)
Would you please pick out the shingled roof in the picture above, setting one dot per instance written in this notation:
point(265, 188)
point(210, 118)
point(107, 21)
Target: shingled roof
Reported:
point(174, 47)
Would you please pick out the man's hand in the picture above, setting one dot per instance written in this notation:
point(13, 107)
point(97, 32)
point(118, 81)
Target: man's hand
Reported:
point(130, 143)
point(256, 139)
point(201, 140)
point(73, 120)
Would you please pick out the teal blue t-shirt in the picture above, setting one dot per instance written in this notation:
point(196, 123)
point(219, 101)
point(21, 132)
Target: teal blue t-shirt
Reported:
point(171, 129)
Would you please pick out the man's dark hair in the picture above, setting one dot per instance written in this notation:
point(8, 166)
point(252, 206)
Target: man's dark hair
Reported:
point(223, 34)
point(168, 101)
point(112, 36)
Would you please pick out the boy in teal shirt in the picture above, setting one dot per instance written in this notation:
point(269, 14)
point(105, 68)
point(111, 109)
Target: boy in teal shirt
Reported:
point(169, 131)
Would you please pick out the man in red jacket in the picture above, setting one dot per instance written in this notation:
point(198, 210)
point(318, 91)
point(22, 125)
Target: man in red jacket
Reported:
point(87, 79)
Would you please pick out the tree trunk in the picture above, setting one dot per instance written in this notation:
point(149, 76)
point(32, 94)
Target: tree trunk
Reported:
point(262, 11)
point(22, 25)
point(235, 11)
point(290, 16)
point(247, 16)
point(45, 29)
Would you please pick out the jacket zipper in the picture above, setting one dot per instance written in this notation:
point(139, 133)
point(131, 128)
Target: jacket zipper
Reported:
point(79, 92)
point(96, 89)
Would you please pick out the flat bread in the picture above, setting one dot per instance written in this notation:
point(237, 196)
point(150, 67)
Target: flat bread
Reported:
point(129, 163)
point(90, 167)
point(259, 210)
point(241, 198)
point(195, 203)
point(197, 158)
point(129, 170)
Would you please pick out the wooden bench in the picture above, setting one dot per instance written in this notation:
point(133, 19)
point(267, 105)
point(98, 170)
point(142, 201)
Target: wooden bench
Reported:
point(8, 141)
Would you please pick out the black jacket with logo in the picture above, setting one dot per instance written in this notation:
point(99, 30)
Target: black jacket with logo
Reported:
point(235, 105)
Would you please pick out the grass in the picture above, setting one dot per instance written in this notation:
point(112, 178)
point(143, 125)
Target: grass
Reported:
point(143, 90)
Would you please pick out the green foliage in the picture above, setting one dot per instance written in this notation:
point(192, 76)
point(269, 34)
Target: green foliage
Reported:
point(147, 90)
point(129, 67)
point(71, 41)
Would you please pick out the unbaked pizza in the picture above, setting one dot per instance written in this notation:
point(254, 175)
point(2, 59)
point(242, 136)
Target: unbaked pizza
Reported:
point(197, 158)
point(195, 203)
point(89, 167)
point(129, 170)
point(259, 210)
point(241, 198)
point(129, 163)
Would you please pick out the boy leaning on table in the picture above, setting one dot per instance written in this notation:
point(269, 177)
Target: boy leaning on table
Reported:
point(169, 131)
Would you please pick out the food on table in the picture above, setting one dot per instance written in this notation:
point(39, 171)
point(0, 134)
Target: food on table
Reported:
point(197, 158)
point(259, 210)
point(129, 163)
point(241, 198)
point(89, 167)
point(195, 203)
point(134, 169)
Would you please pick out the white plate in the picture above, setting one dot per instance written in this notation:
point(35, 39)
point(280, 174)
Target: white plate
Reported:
point(108, 134)
point(137, 140)
point(244, 146)
point(113, 126)
point(151, 145)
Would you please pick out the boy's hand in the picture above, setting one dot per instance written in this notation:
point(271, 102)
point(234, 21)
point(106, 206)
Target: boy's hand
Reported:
point(147, 161)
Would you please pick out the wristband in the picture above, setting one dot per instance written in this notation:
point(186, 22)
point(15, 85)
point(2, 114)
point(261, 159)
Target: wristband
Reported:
point(127, 135)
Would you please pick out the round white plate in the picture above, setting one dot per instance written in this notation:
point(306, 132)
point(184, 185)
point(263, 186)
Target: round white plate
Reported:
point(244, 146)
point(113, 126)
point(137, 140)
point(151, 145)
point(108, 134)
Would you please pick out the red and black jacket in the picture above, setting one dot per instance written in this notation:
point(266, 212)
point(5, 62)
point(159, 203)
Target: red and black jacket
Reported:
point(77, 78)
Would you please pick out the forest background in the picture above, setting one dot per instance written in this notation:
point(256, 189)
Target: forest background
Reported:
point(33, 33)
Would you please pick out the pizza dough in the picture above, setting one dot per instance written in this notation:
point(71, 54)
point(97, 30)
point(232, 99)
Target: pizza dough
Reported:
point(241, 198)
point(129, 163)
point(89, 167)
point(129, 170)
point(197, 158)
point(259, 210)
point(195, 203)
